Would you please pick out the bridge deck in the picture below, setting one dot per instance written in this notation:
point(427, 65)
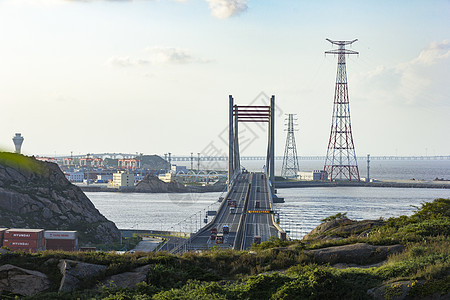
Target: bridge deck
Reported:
point(247, 190)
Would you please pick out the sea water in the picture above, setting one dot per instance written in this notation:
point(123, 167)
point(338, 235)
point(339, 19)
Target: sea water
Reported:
point(304, 208)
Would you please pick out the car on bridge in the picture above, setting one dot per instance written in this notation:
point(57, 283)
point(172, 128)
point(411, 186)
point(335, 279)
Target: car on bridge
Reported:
point(213, 233)
point(219, 238)
point(226, 229)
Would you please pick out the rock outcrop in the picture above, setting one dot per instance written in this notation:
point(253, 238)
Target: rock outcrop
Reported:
point(360, 253)
point(340, 228)
point(36, 194)
point(127, 279)
point(75, 272)
point(22, 281)
point(152, 184)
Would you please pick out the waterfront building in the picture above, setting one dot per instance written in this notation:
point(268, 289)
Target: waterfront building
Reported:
point(312, 175)
point(177, 169)
point(123, 179)
point(104, 178)
point(75, 176)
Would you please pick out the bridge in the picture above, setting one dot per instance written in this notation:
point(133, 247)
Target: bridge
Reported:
point(245, 215)
point(247, 212)
point(206, 158)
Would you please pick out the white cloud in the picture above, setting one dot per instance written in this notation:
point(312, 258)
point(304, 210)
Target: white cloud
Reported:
point(158, 55)
point(223, 9)
point(421, 81)
point(433, 53)
point(126, 61)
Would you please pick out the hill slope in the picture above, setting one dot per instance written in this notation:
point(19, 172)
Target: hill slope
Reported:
point(35, 194)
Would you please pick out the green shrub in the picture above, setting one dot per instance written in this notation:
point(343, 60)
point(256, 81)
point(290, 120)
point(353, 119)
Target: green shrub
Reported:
point(338, 216)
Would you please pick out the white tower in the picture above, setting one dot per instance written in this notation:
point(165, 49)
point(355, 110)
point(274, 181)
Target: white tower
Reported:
point(18, 140)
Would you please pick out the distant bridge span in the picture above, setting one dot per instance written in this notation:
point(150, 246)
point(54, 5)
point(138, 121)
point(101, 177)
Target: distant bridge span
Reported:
point(260, 158)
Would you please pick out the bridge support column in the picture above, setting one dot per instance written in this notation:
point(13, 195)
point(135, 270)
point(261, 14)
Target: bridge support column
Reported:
point(271, 146)
point(230, 141)
point(272, 143)
point(237, 159)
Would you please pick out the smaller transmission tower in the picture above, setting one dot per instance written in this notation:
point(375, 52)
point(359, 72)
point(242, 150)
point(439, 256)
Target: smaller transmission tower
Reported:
point(290, 161)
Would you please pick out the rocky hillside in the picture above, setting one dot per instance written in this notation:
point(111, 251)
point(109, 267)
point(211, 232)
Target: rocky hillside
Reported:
point(35, 194)
point(153, 162)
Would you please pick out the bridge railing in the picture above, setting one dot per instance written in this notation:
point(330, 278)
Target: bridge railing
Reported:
point(271, 201)
point(182, 247)
point(240, 233)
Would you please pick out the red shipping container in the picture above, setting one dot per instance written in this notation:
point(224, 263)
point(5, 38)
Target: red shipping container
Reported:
point(65, 245)
point(60, 235)
point(24, 234)
point(21, 243)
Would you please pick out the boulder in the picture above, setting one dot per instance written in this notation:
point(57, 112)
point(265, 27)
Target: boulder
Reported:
point(152, 184)
point(319, 230)
point(398, 290)
point(75, 272)
point(339, 228)
point(22, 281)
point(127, 279)
point(360, 253)
point(393, 291)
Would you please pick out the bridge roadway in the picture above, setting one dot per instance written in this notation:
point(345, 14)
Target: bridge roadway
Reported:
point(246, 190)
point(258, 224)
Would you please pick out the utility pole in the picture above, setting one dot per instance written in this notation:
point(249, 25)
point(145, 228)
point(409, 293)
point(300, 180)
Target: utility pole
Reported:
point(198, 162)
point(368, 167)
point(340, 162)
point(192, 161)
point(290, 166)
point(170, 161)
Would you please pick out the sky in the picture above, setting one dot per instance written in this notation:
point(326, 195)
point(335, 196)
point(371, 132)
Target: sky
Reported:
point(152, 77)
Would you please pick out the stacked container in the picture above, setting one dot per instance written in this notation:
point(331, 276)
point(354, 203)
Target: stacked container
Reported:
point(2, 231)
point(61, 240)
point(24, 239)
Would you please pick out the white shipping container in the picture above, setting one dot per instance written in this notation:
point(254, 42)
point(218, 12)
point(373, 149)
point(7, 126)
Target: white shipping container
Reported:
point(60, 235)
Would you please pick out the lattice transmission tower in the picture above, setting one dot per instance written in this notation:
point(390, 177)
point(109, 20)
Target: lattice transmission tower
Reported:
point(340, 162)
point(290, 166)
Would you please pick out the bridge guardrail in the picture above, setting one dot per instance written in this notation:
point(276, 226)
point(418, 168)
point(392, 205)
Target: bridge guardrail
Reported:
point(240, 234)
point(271, 201)
point(182, 245)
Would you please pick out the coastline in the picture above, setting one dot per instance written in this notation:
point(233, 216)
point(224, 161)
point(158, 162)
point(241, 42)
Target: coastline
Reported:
point(383, 183)
point(284, 185)
point(189, 189)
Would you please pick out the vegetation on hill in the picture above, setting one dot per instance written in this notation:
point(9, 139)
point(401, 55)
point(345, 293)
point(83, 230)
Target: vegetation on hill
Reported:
point(280, 269)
